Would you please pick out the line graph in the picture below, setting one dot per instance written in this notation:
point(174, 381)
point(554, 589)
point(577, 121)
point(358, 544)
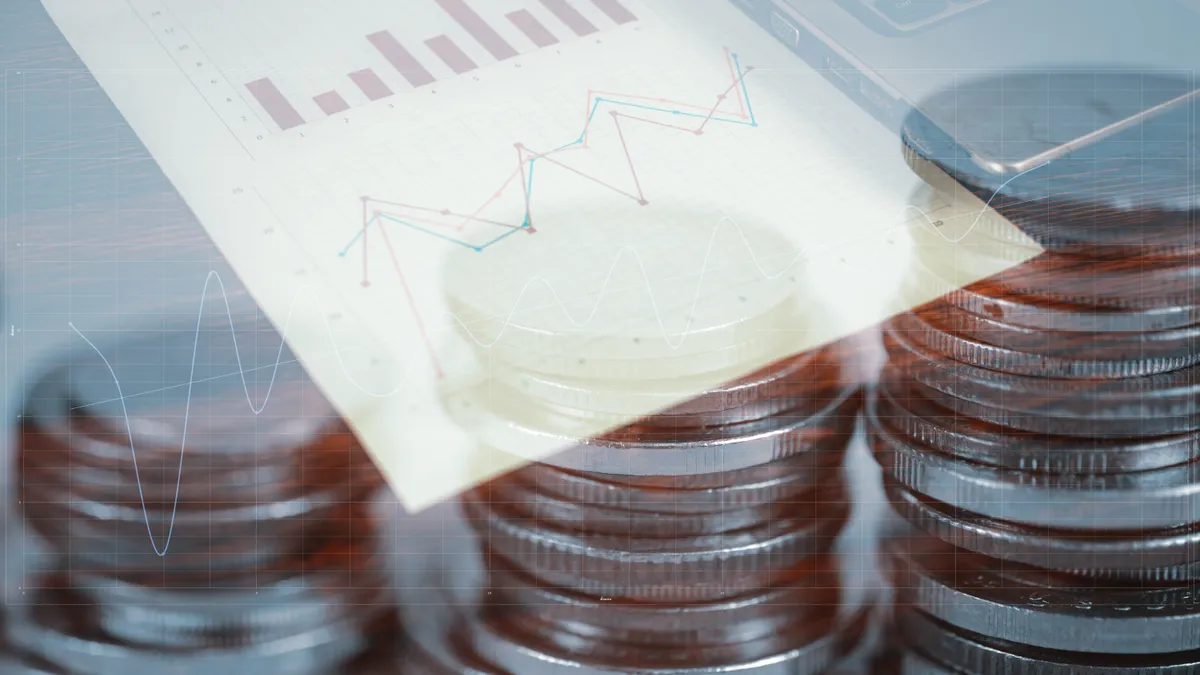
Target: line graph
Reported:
point(304, 293)
point(381, 218)
point(449, 225)
point(377, 212)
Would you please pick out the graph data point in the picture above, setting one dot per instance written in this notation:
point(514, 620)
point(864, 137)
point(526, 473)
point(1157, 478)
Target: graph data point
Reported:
point(528, 156)
point(366, 284)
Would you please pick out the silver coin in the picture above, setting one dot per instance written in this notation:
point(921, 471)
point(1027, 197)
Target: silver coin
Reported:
point(781, 480)
point(1157, 499)
point(561, 303)
point(303, 654)
point(754, 411)
point(915, 663)
point(263, 483)
point(15, 661)
point(117, 537)
point(667, 452)
point(978, 353)
point(743, 354)
point(420, 662)
point(1097, 427)
point(1007, 607)
point(685, 569)
point(513, 595)
point(528, 502)
point(1167, 394)
point(1023, 126)
point(1000, 228)
point(252, 626)
point(975, 653)
point(1155, 347)
point(1145, 557)
point(920, 419)
point(129, 550)
point(429, 614)
point(783, 383)
point(1041, 314)
point(388, 656)
point(21, 664)
point(811, 658)
point(1133, 282)
point(83, 396)
point(297, 507)
point(177, 619)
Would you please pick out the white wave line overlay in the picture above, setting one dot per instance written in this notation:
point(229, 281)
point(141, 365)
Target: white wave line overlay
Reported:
point(803, 253)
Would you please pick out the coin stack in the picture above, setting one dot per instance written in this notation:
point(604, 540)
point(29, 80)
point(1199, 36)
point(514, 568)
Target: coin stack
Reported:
point(208, 526)
point(699, 538)
point(1039, 429)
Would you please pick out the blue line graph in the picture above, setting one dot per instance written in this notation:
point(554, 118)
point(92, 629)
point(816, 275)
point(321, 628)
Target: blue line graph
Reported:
point(529, 165)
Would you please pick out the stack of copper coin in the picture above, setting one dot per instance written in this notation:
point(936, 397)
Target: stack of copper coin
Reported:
point(699, 538)
point(219, 523)
point(1039, 429)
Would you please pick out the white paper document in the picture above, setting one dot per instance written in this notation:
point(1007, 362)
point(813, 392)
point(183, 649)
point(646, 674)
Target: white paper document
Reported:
point(425, 195)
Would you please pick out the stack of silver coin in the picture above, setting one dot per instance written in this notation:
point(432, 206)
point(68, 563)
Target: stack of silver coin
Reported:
point(220, 523)
point(699, 538)
point(1039, 429)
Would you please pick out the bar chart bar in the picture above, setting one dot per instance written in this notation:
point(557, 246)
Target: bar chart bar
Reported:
point(331, 103)
point(478, 28)
point(273, 101)
point(614, 10)
point(532, 28)
point(369, 83)
point(449, 52)
point(570, 16)
point(401, 59)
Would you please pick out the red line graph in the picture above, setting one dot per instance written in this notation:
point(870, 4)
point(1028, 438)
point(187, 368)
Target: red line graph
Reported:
point(446, 224)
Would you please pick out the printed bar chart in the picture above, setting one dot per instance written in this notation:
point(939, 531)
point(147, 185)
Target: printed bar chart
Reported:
point(449, 52)
point(401, 59)
point(369, 83)
point(452, 24)
point(615, 11)
point(331, 102)
point(532, 28)
point(478, 29)
point(273, 101)
point(577, 22)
